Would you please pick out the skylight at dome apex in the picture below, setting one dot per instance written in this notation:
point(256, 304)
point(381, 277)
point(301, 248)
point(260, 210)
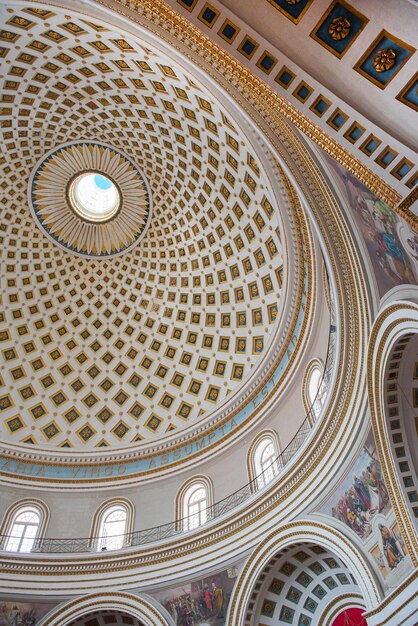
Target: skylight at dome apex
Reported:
point(95, 196)
point(111, 351)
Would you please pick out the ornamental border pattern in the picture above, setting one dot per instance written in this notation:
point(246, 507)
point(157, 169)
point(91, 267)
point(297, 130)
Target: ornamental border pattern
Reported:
point(92, 603)
point(174, 23)
point(257, 560)
point(330, 611)
point(374, 367)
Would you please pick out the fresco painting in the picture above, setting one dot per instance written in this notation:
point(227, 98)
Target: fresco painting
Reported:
point(363, 493)
point(201, 602)
point(390, 242)
point(22, 613)
point(361, 502)
point(390, 551)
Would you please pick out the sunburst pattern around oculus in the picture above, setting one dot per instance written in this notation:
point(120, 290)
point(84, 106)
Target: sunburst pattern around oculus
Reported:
point(50, 196)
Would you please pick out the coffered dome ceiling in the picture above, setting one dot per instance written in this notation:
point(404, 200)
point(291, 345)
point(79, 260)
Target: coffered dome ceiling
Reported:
point(110, 351)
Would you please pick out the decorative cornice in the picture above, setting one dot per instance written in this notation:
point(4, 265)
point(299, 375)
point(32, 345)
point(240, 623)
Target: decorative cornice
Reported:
point(251, 86)
point(404, 208)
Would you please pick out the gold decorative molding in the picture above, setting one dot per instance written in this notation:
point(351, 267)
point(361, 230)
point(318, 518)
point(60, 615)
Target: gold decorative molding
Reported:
point(404, 208)
point(389, 599)
point(270, 103)
point(290, 534)
point(341, 602)
point(381, 333)
point(118, 601)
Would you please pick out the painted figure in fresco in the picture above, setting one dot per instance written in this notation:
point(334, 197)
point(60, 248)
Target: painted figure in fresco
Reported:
point(194, 611)
point(16, 617)
point(186, 617)
point(207, 594)
point(353, 522)
point(366, 496)
point(29, 618)
point(390, 548)
point(390, 257)
point(358, 506)
point(395, 255)
point(219, 600)
point(376, 482)
point(363, 492)
point(202, 605)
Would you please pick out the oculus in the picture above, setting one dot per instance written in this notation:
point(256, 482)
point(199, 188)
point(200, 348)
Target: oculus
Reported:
point(90, 199)
point(94, 197)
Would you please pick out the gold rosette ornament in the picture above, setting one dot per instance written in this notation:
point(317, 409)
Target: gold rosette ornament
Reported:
point(384, 60)
point(293, 1)
point(339, 28)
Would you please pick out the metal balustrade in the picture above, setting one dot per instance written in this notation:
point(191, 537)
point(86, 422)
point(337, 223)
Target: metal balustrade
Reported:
point(179, 527)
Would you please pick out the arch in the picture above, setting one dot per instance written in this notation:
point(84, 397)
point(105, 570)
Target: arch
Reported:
point(288, 535)
point(193, 500)
point(394, 321)
point(24, 521)
point(263, 463)
point(341, 603)
point(111, 525)
point(144, 609)
point(313, 395)
point(299, 584)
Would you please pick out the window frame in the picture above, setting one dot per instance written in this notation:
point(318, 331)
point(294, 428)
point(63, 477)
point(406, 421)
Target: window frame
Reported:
point(314, 364)
point(14, 511)
point(97, 536)
point(257, 469)
point(182, 505)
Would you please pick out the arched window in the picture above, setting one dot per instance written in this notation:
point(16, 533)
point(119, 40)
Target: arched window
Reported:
point(193, 502)
point(195, 505)
point(23, 523)
point(112, 524)
point(264, 462)
point(314, 391)
point(314, 385)
point(113, 528)
point(24, 530)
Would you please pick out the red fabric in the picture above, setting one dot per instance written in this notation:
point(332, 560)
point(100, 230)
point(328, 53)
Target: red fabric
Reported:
point(350, 617)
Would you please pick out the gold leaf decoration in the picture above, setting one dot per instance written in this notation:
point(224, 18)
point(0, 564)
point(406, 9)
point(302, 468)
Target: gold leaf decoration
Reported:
point(384, 60)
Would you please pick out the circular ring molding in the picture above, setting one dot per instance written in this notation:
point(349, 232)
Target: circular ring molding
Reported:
point(90, 199)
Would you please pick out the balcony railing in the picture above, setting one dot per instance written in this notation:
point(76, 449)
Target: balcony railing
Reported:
point(165, 531)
